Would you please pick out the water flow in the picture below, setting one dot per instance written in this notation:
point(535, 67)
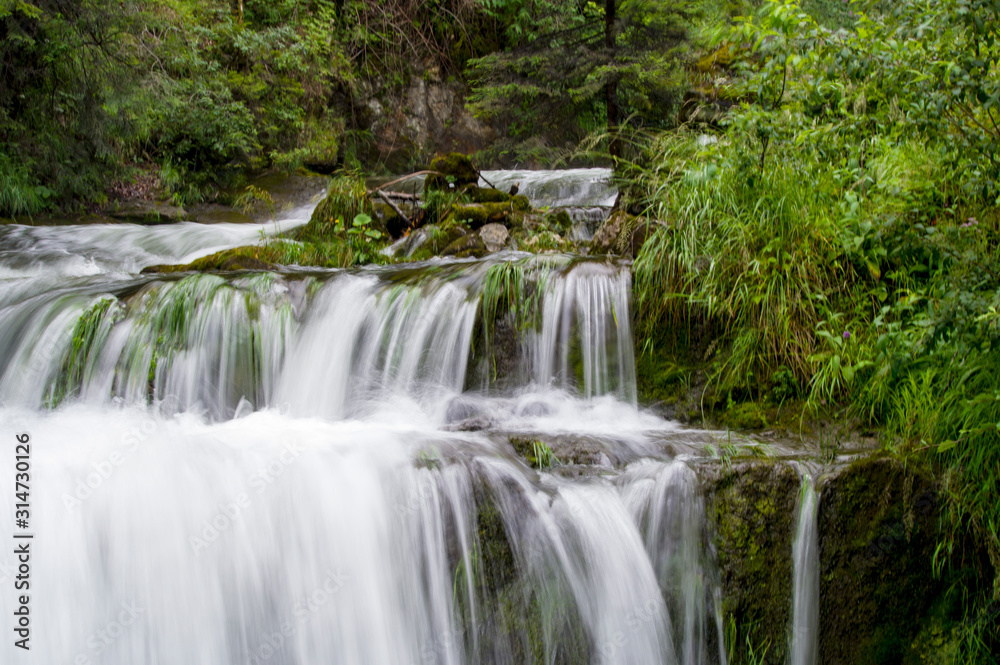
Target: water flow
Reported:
point(805, 589)
point(254, 468)
point(328, 348)
point(665, 501)
point(556, 189)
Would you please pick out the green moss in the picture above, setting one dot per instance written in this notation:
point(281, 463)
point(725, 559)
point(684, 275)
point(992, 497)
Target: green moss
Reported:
point(752, 506)
point(480, 214)
point(477, 194)
point(745, 416)
point(453, 168)
point(333, 254)
point(880, 601)
point(560, 220)
point(660, 378)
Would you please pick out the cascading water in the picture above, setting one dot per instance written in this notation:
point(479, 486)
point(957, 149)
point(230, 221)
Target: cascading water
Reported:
point(305, 467)
point(586, 194)
point(804, 642)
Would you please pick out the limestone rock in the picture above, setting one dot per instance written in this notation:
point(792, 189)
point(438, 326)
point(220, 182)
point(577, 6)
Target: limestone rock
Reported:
point(494, 236)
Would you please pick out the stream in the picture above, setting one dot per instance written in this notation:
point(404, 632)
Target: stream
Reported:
point(316, 466)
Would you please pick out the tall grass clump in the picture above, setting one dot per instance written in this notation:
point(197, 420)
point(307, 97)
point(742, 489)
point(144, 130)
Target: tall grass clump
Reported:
point(746, 253)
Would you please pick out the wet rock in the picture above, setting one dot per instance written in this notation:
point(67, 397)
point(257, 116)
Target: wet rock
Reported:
point(476, 424)
point(214, 213)
point(621, 233)
point(878, 533)
point(461, 408)
point(494, 236)
point(534, 409)
point(752, 507)
point(468, 246)
point(148, 212)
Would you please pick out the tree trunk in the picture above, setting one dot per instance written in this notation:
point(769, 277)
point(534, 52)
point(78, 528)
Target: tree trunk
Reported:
point(611, 87)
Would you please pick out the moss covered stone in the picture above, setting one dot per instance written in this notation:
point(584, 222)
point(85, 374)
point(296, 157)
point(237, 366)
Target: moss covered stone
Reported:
point(239, 258)
point(752, 507)
point(470, 245)
point(452, 169)
point(481, 214)
point(878, 533)
point(477, 194)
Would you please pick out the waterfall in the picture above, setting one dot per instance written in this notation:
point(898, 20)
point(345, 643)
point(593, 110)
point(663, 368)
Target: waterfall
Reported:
point(665, 500)
point(329, 347)
point(804, 641)
point(306, 466)
point(556, 189)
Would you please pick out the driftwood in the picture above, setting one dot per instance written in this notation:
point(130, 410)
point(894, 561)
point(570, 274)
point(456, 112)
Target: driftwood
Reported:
point(382, 195)
point(402, 196)
point(480, 174)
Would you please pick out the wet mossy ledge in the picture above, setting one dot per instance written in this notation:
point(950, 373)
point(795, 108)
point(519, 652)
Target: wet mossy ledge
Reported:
point(452, 217)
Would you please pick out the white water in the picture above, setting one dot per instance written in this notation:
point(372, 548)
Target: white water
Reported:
point(263, 469)
point(804, 642)
point(557, 189)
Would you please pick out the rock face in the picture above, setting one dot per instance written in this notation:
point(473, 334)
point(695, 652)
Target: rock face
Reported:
point(878, 533)
point(751, 508)
point(433, 119)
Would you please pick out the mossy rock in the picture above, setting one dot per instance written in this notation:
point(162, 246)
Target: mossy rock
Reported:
point(560, 220)
point(468, 246)
point(346, 199)
point(477, 194)
point(878, 533)
point(239, 258)
point(481, 214)
point(752, 507)
point(453, 166)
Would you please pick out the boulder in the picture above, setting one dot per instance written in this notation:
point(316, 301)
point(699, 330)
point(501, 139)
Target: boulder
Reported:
point(621, 234)
point(468, 246)
point(148, 212)
point(453, 170)
point(494, 237)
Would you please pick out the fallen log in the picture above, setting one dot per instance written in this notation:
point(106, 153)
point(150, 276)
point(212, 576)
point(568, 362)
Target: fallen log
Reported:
point(382, 195)
point(402, 196)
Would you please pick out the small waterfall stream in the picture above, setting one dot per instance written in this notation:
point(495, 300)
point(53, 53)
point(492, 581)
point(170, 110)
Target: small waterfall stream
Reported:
point(308, 466)
point(804, 642)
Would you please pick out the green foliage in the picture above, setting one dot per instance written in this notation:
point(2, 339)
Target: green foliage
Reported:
point(535, 452)
point(841, 232)
point(571, 63)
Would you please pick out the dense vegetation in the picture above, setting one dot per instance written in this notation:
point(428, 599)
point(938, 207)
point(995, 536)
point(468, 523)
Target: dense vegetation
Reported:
point(837, 234)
